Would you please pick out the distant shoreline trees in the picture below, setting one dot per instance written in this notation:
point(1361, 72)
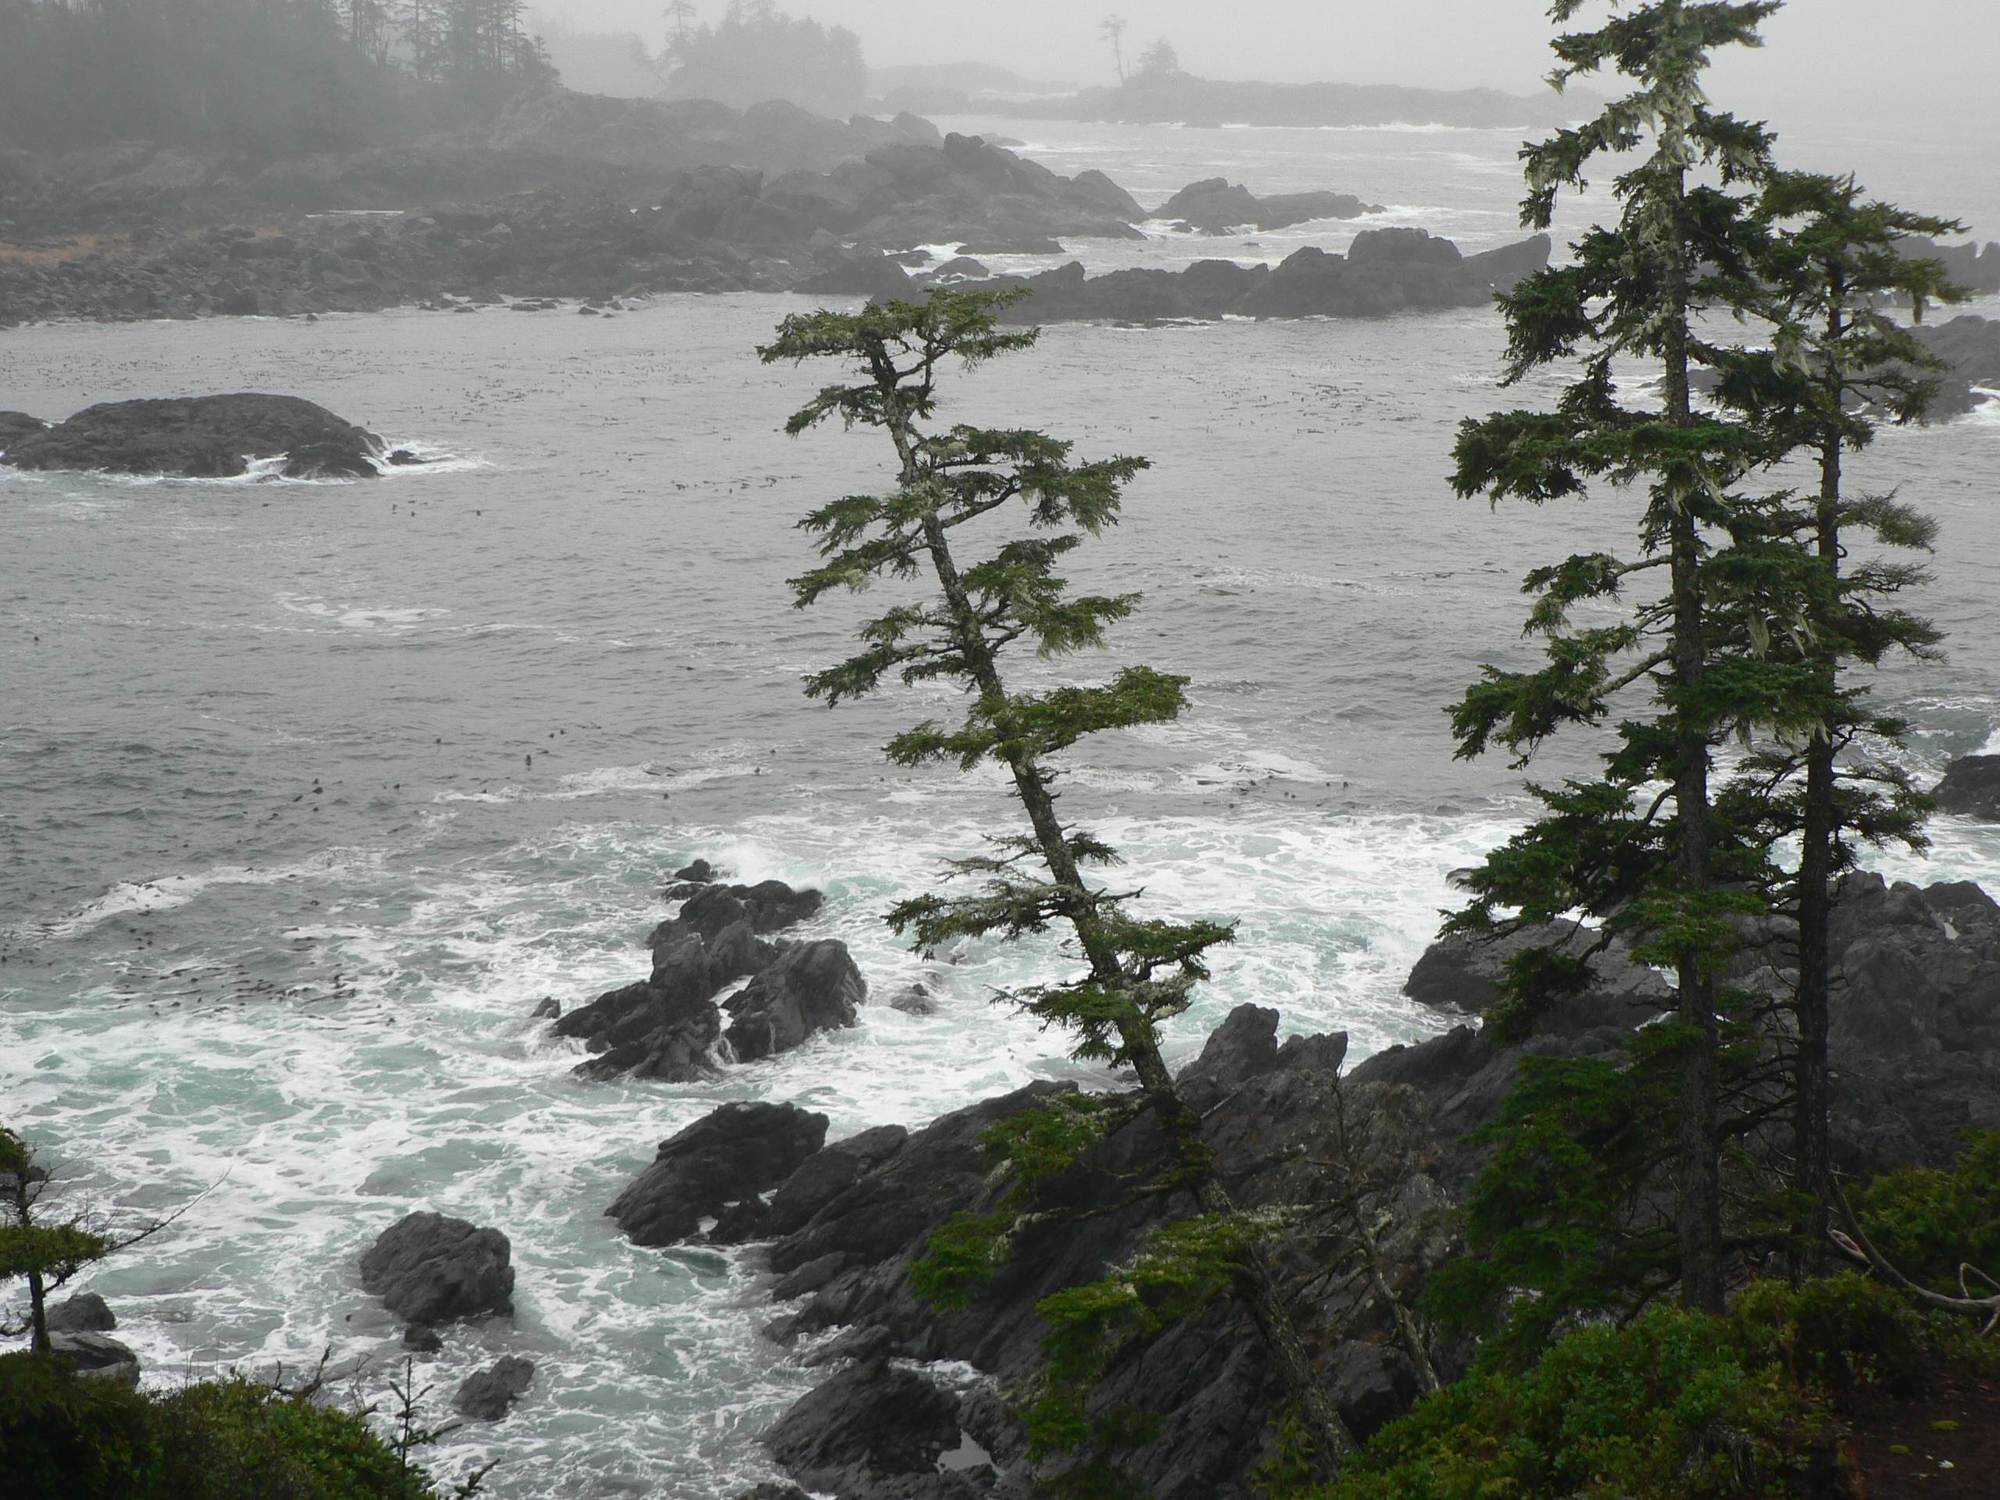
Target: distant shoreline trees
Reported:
point(757, 52)
point(262, 76)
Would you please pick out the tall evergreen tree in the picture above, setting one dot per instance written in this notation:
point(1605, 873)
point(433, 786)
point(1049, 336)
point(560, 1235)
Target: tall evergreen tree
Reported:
point(1831, 263)
point(1652, 863)
point(976, 615)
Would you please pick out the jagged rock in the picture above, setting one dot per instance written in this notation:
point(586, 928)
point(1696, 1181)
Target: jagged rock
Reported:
point(430, 1269)
point(200, 437)
point(422, 1338)
point(807, 988)
point(767, 906)
point(699, 872)
point(86, 1312)
point(1971, 787)
point(98, 1356)
point(486, 1395)
point(548, 1009)
point(729, 1156)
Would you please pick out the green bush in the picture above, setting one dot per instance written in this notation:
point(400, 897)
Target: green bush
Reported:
point(71, 1437)
point(67, 1435)
point(232, 1440)
point(1669, 1408)
point(1928, 1221)
point(1838, 1333)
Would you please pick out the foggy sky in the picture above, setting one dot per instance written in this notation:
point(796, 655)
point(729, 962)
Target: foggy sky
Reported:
point(1820, 55)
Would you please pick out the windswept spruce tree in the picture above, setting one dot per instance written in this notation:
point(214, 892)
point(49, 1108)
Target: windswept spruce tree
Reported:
point(976, 614)
point(1831, 263)
point(1640, 847)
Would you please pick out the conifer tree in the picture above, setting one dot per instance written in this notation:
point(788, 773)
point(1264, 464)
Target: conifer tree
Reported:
point(976, 615)
point(1640, 848)
point(43, 1254)
point(1838, 362)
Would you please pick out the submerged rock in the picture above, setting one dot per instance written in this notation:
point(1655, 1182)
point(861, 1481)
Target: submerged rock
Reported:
point(428, 1268)
point(204, 437)
point(486, 1395)
point(727, 1157)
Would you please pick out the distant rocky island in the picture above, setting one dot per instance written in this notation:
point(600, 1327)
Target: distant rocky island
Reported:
point(1183, 99)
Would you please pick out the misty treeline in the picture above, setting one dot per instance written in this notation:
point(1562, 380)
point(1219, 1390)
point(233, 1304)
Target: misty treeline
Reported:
point(268, 76)
point(756, 52)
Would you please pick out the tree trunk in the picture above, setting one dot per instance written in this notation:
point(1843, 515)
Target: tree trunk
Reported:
point(1698, 1186)
point(1813, 1172)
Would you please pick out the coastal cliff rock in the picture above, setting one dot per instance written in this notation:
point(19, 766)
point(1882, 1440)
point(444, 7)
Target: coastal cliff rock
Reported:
point(1916, 1022)
point(1971, 787)
point(98, 1356)
point(1969, 347)
point(807, 988)
point(204, 437)
point(428, 1268)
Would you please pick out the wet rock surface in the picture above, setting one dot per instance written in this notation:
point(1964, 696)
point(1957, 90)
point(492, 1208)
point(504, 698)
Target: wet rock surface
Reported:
point(1971, 787)
point(488, 1394)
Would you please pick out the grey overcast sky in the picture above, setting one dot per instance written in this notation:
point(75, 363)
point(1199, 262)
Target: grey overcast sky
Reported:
point(1943, 54)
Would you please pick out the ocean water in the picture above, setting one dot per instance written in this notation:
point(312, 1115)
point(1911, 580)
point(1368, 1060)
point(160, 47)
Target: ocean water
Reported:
point(310, 792)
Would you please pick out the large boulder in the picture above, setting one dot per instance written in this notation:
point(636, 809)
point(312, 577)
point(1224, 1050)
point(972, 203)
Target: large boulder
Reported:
point(86, 1312)
point(486, 1395)
point(1971, 787)
point(203, 437)
point(98, 1356)
point(727, 1157)
point(808, 988)
point(428, 1268)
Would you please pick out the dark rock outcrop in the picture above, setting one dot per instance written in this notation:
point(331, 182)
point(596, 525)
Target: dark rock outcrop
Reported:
point(1215, 205)
point(871, 1421)
point(486, 1395)
point(86, 1312)
point(1971, 787)
point(1386, 271)
point(668, 1026)
point(807, 988)
point(728, 1157)
point(429, 1268)
point(98, 1356)
point(202, 437)
point(1969, 348)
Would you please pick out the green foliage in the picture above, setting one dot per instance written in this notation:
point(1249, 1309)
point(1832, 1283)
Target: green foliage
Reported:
point(87, 1438)
point(1838, 1333)
point(961, 1256)
point(1929, 1221)
point(1672, 1406)
point(70, 1435)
